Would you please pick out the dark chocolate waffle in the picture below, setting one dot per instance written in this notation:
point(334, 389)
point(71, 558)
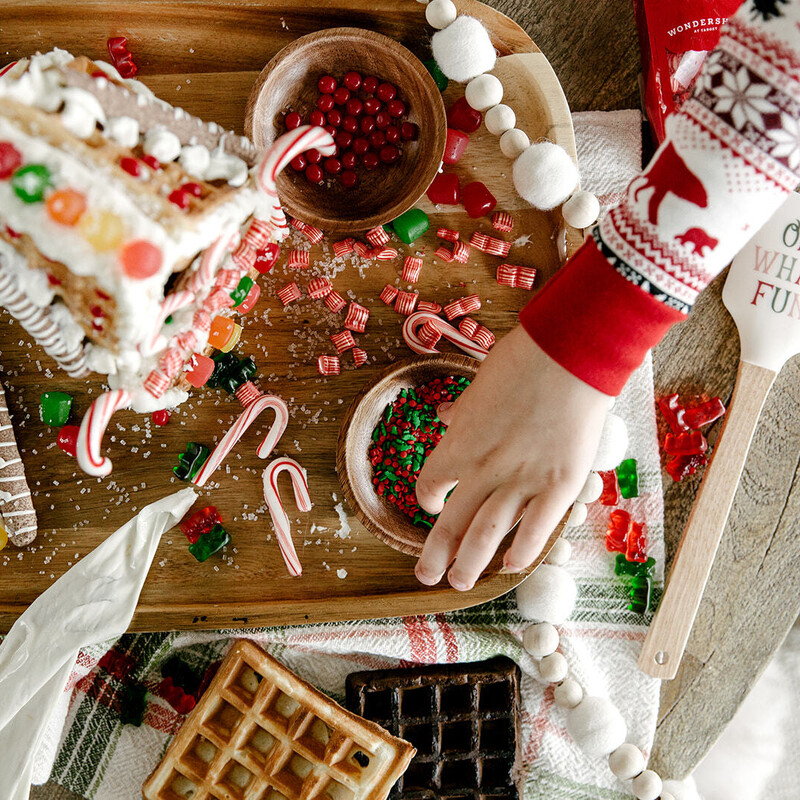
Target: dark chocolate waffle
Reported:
point(462, 718)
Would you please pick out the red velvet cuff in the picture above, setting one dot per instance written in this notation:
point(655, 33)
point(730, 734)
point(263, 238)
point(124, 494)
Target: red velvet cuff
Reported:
point(595, 323)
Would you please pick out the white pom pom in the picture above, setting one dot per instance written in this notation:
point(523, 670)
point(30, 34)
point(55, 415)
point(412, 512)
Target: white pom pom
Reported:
point(463, 49)
point(440, 13)
point(596, 726)
point(592, 489)
point(647, 786)
point(613, 444)
point(627, 761)
point(559, 553)
point(581, 210)
point(499, 119)
point(682, 790)
point(577, 516)
point(553, 668)
point(514, 142)
point(568, 694)
point(547, 595)
point(484, 92)
point(540, 640)
point(545, 175)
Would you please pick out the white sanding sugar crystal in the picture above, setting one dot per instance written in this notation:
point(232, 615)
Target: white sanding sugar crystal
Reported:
point(341, 573)
point(344, 522)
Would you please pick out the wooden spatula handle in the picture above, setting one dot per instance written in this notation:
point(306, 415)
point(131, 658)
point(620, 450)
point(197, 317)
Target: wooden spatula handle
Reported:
point(666, 640)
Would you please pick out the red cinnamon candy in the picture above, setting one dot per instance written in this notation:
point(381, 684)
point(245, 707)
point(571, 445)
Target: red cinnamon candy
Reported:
point(445, 190)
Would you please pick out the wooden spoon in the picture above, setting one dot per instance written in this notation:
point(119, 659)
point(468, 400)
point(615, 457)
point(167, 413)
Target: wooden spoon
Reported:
point(764, 301)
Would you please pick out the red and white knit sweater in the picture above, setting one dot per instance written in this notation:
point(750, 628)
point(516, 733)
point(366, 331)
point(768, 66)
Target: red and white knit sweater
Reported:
point(731, 155)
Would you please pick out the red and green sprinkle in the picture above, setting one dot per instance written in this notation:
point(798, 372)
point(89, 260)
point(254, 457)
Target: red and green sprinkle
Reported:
point(406, 435)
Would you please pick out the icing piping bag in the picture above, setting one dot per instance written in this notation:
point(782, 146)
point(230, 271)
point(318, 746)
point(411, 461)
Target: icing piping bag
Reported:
point(93, 602)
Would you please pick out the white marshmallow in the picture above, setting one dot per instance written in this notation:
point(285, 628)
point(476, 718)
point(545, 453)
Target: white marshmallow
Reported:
point(463, 49)
point(122, 130)
point(545, 175)
point(195, 159)
point(162, 144)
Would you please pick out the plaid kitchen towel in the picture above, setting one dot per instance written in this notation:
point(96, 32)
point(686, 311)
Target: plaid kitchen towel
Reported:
point(97, 757)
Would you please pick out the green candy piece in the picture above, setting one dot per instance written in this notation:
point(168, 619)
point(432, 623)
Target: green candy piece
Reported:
point(29, 182)
point(54, 408)
point(639, 594)
point(132, 704)
point(241, 291)
point(637, 569)
point(628, 478)
point(190, 461)
point(411, 225)
point(209, 543)
point(438, 76)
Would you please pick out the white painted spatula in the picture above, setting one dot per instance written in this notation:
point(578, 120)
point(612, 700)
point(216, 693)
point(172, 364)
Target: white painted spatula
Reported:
point(761, 294)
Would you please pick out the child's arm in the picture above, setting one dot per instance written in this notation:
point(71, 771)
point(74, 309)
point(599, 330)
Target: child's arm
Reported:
point(523, 436)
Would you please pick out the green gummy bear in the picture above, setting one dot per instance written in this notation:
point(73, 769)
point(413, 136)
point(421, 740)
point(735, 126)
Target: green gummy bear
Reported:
point(636, 569)
point(410, 225)
point(54, 408)
point(639, 594)
point(241, 291)
point(190, 461)
point(209, 543)
point(133, 704)
point(241, 373)
point(438, 76)
point(628, 478)
point(30, 182)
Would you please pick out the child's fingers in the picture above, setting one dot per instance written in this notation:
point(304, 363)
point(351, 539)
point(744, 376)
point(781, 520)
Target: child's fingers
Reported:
point(445, 412)
point(487, 529)
point(443, 541)
point(542, 514)
point(437, 477)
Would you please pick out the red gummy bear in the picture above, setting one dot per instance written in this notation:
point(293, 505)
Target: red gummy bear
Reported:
point(477, 199)
point(690, 443)
point(121, 57)
point(463, 116)
point(636, 542)
point(266, 258)
point(707, 412)
point(200, 522)
point(68, 439)
point(445, 190)
point(681, 467)
point(610, 494)
point(619, 523)
point(673, 413)
point(183, 703)
point(455, 145)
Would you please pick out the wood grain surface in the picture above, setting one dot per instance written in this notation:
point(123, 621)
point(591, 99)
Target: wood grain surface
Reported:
point(348, 574)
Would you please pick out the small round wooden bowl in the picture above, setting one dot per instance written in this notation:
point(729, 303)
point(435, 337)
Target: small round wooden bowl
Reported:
point(289, 82)
point(355, 437)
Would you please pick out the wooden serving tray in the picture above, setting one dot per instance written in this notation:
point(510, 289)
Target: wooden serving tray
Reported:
point(205, 57)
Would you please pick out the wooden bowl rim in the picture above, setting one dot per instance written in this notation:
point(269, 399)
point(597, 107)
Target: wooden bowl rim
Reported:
point(404, 200)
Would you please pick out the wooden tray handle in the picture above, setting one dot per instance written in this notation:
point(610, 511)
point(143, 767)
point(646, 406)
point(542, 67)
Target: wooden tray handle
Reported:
point(666, 640)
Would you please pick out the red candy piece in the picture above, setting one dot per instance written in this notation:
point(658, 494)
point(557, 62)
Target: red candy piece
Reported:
point(370, 160)
point(10, 160)
point(266, 257)
point(192, 188)
point(455, 145)
point(200, 522)
point(334, 117)
point(183, 703)
point(689, 443)
point(386, 92)
point(325, 102)
point(179, 198)
point(349, 159)
point(463, 116)
point(200, 370)
point(293, 120)
point(389, 154)
point(151, 162)
point(369, 85)
point(367, 124)
point(377, 139)
point(392, 134)
point(298, 163)
point(313, 156)
point(316, 117)
point(610, 495)
point(477, 199)
point(355, 107)
point(619, 523)
point(636, 542)
point(327, 84)
point(372, 105)
point(68, 439)
point(344, 139)
point(445, 190)
point(673, 412)
point(130, 165)
point(360, 145)
point(350, 124)
point(409, 131)
point(121, 57)
point(314, 173)
point(349, 179)
point(680, 467)
point(160, 417)
point(250, 300)
point(396, 108)
point(352, 80)
point(332, 166)
point(341, 96)
point(707, 412)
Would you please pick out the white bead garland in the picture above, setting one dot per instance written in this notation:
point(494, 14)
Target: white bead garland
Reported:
point(578, 515)
point(499, 119)
point(484, 92)
point(647, 786)
point(544, 175)
point(627, 761)
point(568, 694)
point(440, 13)
point(463, 49)
point(596, 726)
point(548, 594)
point(553, 668)
point(592, 489)
point(581, 210)
point(540, 640)
point(514, 142)
point(560, 552)
point(613, 444)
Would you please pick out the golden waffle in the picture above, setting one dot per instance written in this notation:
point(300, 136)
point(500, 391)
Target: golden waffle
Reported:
point(261, 733)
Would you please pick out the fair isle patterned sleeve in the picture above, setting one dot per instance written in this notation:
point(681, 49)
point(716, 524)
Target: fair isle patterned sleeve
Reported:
point(730, 156)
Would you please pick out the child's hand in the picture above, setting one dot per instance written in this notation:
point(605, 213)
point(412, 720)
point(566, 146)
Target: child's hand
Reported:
point(520, 439)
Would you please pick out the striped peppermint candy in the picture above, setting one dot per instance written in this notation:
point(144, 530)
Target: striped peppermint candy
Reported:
point(93, 427)
point(411, 335)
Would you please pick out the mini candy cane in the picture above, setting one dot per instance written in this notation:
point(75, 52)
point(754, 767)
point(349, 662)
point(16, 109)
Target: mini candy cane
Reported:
point(447, 234)
point(318, 288)
point(171, 361)
point(246, 393)
point(377, 236)
point(457, 338)
point(93, 426)
point(216, 301)
point(444, 254)
point(344, 247)
point(280, 522)
point(169, 305)
point(212, 257)
point(412, 266)
point(228, 279)
point(388, 294)
point(461, 252)
point(237, 430)
point(406, 302)
point(343, 341)
point(289, 293)
point(334, 301)
point(329, 365)
point(356, 318)
point(359, 357)
point(298, 259)
point(502, 221)
point(286, 147)
point(244, 256)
